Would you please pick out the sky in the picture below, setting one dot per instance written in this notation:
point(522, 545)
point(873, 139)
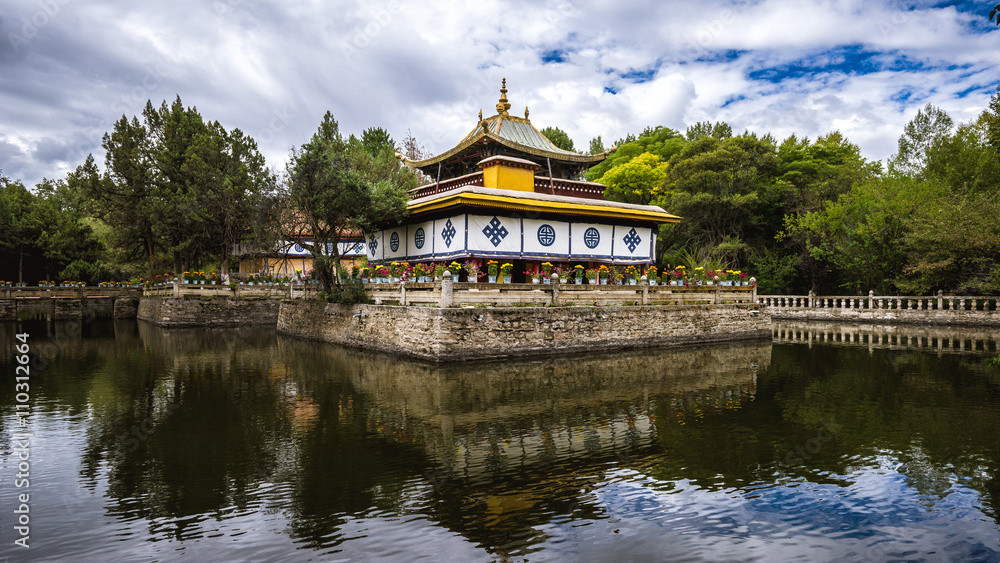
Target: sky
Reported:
point(70, 68)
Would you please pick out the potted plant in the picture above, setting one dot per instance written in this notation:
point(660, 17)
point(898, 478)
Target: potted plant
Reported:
point(471, 268)
point(603, 273)
point(492, 269)
point(547, 268)
point(578, 273)
point(632, 274)
point(535, 276)
point(591, 275)
point(439, 270)
point(505, 271)
point(651, 276)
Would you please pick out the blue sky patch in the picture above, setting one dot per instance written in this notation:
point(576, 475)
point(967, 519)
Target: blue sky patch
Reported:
point(555, 56)
point(850, 60)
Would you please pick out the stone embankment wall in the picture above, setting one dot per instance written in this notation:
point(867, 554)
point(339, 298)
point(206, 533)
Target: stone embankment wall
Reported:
point(126, 308)
point(452, 334)
point(208, 311)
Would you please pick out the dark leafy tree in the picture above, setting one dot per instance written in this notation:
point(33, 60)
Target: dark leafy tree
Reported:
point(336, 190)
point(559, 138)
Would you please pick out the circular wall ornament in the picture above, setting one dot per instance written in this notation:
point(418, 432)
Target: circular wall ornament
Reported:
point(546, 235)
point(592, 238)
point(419, 237)
point(394, 241)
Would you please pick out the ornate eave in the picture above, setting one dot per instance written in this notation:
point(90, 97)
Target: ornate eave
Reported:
point(475, 196)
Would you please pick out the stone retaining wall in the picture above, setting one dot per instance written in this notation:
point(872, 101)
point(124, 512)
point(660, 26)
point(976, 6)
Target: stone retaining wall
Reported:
point(126, 308)
point(207, 311)
point(8, 310)
point(452, 334)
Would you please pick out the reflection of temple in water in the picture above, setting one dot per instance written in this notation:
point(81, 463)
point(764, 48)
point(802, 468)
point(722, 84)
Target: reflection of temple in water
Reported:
point(941, 339)
point(478, 420)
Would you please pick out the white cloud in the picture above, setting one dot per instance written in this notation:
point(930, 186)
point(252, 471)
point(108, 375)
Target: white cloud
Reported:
point(273, 68)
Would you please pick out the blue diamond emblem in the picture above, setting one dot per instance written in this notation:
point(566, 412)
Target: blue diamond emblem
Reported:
point(632, 240)
point(448, 233)
point(373, 244)
point(495, 231)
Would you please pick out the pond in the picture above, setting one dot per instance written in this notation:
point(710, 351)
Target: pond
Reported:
point(827, 443)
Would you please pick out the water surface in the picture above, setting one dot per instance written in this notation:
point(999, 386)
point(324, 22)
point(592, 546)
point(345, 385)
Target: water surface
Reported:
point(242, 444)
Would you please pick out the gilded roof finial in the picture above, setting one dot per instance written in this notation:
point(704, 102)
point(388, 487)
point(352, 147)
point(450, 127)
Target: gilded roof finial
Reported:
point(503, 105)
point(480, 114)
point(526, 112)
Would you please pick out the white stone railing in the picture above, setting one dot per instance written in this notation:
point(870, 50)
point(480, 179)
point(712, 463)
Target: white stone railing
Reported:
point(448, 293)
point(938, 308)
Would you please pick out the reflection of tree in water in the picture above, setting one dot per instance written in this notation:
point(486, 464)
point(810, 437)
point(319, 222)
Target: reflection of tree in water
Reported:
point(875, 401)
point(184, 435)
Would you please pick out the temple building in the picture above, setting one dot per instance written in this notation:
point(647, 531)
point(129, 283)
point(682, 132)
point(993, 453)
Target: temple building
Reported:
point(506, 193)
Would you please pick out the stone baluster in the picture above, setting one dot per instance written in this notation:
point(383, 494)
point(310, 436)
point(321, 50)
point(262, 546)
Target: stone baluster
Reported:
point(644, 282)
point(940, 300)
point(554, 282)
point(871, 299)
point(447, 290)
point(812, 298)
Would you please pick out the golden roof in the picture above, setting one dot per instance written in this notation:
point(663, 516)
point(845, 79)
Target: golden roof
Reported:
point(515, 133)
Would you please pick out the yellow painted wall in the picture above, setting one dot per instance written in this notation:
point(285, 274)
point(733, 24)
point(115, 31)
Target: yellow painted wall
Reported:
point(509, 178)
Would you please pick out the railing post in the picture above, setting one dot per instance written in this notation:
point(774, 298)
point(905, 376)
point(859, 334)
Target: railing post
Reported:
point(753, 290)
point(402, 293)
point(644, 282)
point(177, 287)
point(447, 297)
point(554, 282)
point(812, 298)
point(940, 297)
point(871, 299)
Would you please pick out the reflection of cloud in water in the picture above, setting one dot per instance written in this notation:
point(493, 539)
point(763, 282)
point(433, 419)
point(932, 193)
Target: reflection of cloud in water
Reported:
point(877, 516)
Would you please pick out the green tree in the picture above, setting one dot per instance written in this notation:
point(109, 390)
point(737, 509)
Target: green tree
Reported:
point(20, 225)
point(954, 245)
point(920, 135)
point(660, 141)
point(336, 190)
point(596, 146)
point(558, 137)
point(719, 188)
point(637, 181)
point(856, 241)
point(376, 140)
point(720, 130)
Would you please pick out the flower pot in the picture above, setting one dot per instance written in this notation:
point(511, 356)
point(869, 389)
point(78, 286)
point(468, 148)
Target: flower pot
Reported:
point(492, 279)
point(632, 282)
point(652, 282)
point(506, 279)
point(547, 279)
point(473, 280)
point(534, 280)
point(604, 281)
point(579, 281)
